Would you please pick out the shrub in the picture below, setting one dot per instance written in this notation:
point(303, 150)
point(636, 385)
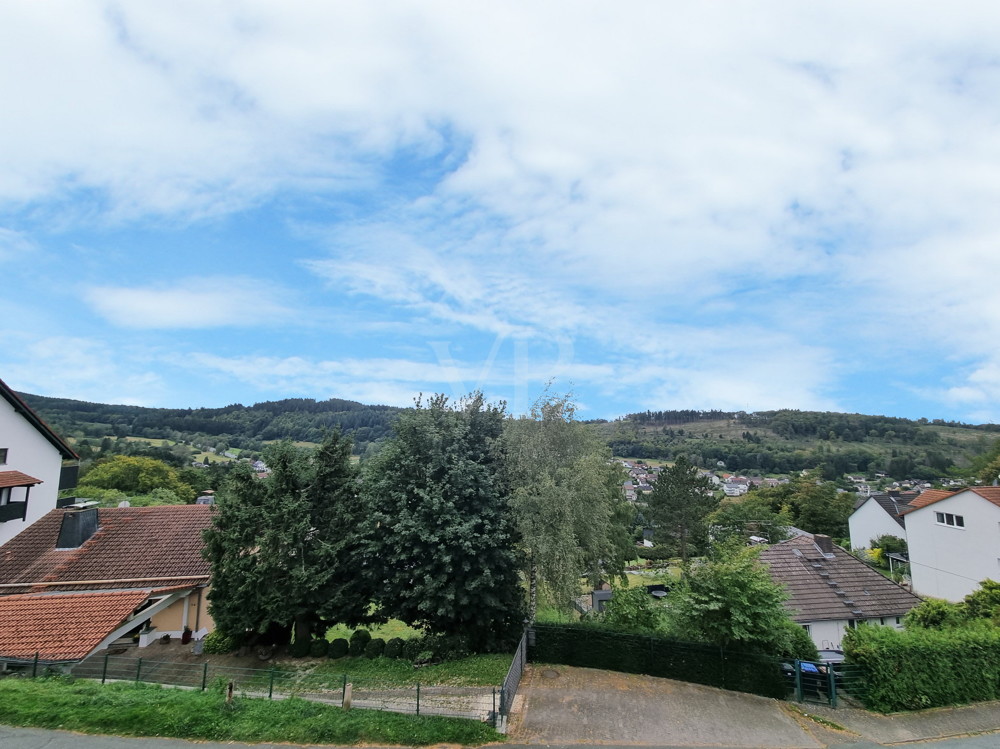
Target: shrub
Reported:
point(934, 613)
point(318, 648)
point(633, 610)
point(412, 648)
point(375, 648)
point(359, 641)
point(653, 553)
point(299, 648)
point(338, 648)
point(394, 648)
point(919, 668)
point(219, 643)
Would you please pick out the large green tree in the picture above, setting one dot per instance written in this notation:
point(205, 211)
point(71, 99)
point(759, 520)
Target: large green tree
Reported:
point(285, 550)
point(135, 475)
point(679, 505)
point(444, 555)
point(731, 601)
point(567, 502)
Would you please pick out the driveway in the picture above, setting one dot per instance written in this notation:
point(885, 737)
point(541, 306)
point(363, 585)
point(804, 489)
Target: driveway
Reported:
point(565, 705)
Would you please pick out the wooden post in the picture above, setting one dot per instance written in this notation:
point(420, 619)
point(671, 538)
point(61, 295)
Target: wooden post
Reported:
point(104, 671)
point(346, 702)
point(229, 693)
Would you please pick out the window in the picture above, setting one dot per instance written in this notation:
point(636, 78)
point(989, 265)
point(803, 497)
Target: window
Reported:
point(5, 495)
point(946, 518)
point(3, 455)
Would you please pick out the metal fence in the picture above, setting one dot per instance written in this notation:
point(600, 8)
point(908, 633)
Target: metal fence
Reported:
point(478, 703)
point(508, 690)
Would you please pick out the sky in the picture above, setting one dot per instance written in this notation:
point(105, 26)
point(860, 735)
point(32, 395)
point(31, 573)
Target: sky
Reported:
point(650, 205)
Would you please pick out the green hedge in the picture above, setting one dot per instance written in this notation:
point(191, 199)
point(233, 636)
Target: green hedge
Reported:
point(919, 668)
point(593, 647)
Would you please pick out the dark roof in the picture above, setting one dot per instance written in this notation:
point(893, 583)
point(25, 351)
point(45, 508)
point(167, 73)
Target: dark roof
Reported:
point(990, 493)
point(893, 505)
point(62, 627)
point(833, 587)
point(16, 478)
point(25, 410)
point(134, 547)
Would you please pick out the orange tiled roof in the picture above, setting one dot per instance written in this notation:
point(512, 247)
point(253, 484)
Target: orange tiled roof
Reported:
point(16, 478)
point(990, 493)
point(62, 627)
point(134, 547)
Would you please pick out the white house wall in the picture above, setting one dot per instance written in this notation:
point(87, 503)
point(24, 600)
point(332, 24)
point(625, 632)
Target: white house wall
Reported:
point(829, 635)
point(950, 562)
point(30, 452)
point(871, 521)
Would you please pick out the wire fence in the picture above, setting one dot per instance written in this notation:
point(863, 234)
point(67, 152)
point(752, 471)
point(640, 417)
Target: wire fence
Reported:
point(477, 703)
point(513, 679)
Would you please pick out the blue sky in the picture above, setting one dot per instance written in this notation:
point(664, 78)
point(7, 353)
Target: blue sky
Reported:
point(753, 205)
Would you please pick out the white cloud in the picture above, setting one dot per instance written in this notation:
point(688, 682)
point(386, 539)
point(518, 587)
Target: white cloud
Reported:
point(14, 244)
point(193, 303)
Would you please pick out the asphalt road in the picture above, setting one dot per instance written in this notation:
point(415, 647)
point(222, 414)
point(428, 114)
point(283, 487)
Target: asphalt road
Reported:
point(36, 738)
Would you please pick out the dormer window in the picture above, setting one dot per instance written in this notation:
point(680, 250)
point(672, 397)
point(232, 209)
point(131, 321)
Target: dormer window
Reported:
point(946, 518)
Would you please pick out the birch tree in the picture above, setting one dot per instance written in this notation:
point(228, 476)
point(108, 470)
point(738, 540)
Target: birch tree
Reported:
point(567, 501)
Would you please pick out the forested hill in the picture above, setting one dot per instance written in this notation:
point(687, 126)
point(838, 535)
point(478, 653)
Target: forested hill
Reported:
point(787, 440)
point(244, 427)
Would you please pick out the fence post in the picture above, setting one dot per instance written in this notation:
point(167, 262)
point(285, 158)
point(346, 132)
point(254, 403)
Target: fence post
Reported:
point(343, 691)
point(833, 685)
point(418, 698)
point(270, 686)
point(204, 676)
point(138, 670)
point(34, 666)
point(104, 671)
point(495, 715)
point(798, 681)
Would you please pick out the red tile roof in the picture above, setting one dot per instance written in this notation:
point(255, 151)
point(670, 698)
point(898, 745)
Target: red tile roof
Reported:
point(833, 587)
point(16, 478)
point(990, 493)
point(134, 547)
point(62, 627)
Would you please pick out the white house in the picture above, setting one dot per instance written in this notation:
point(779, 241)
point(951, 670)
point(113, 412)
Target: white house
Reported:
point(877, 515)
point(31, 465)
point(954, 541)
point(831, 591)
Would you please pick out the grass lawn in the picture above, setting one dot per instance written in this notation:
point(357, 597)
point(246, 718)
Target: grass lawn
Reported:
point(149, 710)
point(475, 671)
point(392, 628)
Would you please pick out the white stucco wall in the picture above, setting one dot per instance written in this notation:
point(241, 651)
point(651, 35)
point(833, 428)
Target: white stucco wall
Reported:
point(30, 452)
point(871, 521)
point(949, 562)
point(829, 635)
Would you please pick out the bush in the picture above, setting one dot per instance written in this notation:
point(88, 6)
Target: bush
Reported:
point(375, 648)
point(653, 553)
point(338, 648)
point(219, 643)
point(394, 648)
point(633, 610)
point(299, 648)
point(412, 648)
point(934, 613)
point(318, 648)
point(919, 668)
point(359, 641)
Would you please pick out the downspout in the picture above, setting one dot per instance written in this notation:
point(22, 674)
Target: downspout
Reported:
point(197, 615)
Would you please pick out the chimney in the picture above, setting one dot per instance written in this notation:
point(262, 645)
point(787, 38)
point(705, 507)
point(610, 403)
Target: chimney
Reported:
point(77, 526)
point(823, 543)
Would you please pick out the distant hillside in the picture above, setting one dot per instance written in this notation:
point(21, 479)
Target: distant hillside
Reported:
point(764, 442)
point(786, 440)
point(244, 427)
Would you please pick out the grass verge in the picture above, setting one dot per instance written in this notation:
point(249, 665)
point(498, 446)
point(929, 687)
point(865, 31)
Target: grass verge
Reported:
point(474, 671)
point(150, 710)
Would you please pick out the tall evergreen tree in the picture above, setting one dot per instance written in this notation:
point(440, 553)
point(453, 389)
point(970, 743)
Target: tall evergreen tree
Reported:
point(679, 505)
point(282, 548)
point(445, 540)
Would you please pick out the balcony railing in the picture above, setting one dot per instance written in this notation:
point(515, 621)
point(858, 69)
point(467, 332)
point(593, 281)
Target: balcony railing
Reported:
point(13, 511)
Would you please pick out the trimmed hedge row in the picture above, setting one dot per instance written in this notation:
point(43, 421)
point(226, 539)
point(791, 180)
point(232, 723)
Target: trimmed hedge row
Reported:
point(593, 647)
point(920, 668)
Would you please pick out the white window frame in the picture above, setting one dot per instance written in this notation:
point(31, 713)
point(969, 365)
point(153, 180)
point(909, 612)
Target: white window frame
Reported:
point(950, 519)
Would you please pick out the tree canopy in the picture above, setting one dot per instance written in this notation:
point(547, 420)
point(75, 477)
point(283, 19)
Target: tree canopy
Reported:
point(282, 548)
point(136, 475)
point(678, 507)
point(445, 545)
point(567, 502)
